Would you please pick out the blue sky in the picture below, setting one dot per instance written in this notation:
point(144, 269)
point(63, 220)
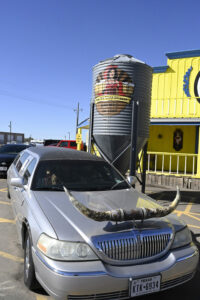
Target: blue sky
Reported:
point(48, 49)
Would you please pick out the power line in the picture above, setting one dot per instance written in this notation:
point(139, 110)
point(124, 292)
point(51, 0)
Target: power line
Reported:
point(33, 100)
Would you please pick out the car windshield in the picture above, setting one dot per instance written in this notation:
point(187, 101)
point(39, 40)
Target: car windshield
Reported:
point(77, 175)
point(12, 149)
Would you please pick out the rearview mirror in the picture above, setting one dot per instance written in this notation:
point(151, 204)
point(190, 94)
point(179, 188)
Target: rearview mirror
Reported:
point(18, 182)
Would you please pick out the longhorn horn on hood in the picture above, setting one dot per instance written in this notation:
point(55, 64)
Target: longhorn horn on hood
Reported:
point(119, 215)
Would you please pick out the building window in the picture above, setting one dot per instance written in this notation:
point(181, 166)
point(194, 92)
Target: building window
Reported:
point(1, 138)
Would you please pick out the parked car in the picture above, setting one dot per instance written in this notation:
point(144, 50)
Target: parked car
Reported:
point(8, 153)
point(87, 234)
point(50, 142)
point(66, 144)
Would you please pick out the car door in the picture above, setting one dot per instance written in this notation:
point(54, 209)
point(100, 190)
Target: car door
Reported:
point(14, 173)
point(22, 194)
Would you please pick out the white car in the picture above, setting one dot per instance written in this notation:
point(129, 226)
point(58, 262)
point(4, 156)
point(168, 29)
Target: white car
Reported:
point(87, 234)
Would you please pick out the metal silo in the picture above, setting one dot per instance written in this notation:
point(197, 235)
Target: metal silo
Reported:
point(119, 85)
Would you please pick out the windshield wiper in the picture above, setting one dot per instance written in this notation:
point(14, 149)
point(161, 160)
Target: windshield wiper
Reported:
point(53, 188)
point(118, 183)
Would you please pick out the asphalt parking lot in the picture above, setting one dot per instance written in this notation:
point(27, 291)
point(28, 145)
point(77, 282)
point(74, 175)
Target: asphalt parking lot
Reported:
point(11, 254)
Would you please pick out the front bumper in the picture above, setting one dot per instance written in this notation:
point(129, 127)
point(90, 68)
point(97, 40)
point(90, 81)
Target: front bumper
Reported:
point(82, 280)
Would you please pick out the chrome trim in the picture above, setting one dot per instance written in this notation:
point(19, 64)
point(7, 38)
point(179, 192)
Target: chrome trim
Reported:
point(134, 246)
point(187, 256)
point(64, 273)
point(102, 273)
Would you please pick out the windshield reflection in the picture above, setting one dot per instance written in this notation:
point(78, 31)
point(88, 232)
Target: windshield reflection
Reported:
point(77, 175)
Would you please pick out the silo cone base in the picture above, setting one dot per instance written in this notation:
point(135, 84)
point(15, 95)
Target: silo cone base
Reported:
point(112, 146)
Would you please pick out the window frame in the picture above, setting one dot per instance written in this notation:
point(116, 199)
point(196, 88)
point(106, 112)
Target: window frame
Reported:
point(29, 162)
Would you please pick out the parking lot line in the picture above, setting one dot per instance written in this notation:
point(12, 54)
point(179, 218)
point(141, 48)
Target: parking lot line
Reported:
point(195, 214)
point(194, 226)
point(10, 256)
point(193, 217)
point(188, 207)
point(5, 202)
point(2, 220)
point(40, 297)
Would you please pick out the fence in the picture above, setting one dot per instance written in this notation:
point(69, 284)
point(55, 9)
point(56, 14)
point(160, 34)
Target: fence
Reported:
point(172, 163)
point(175, 108)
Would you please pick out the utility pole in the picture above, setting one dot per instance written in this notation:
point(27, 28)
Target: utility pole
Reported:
point(10, 126)
point(77, 116)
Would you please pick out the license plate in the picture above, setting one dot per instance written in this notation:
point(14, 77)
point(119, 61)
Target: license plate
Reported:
point(144, 286)
point(3, 168)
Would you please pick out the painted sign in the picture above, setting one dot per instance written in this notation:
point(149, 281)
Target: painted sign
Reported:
point(178, 139)
point(197, 87)
point(186, 84)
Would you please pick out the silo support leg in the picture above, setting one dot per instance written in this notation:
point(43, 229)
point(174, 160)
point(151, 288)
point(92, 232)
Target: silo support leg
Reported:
point(144, 164)
point(198, 157)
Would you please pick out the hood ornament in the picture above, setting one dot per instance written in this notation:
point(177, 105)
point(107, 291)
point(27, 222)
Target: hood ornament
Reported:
point(119, 215)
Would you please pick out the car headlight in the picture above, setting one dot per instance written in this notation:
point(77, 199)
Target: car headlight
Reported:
point(66, 251)
point(182, 238)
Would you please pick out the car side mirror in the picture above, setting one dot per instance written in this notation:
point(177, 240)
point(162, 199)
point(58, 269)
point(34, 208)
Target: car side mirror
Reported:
point(132, 180)
point(18, 182)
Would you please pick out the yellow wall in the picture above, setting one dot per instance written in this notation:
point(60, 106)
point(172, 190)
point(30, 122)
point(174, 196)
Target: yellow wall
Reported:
point(161, 140)
point(168, 97)
point(165, 144)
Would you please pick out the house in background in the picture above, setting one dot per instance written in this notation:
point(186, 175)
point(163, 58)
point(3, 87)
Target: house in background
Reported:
point(7, 137)
point(174, 142)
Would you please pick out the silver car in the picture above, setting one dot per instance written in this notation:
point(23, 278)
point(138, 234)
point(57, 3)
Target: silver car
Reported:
point(87, 234)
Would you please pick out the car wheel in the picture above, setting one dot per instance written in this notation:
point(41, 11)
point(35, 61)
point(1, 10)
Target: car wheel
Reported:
point(29, 269)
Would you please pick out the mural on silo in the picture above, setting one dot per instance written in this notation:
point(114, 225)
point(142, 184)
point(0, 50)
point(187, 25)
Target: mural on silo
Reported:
point(117, 82)
point(113, 90)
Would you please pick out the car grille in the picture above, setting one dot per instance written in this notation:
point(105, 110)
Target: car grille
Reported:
point(133, 246)
point(106, 296)
point(176, 281)
point(125, 294)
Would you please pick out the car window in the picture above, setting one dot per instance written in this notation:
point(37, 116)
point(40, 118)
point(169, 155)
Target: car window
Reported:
point(16, 159)
point(29, 170)
point(77, 175)
point(73, 144)
point(21, 161)
point(63, 144)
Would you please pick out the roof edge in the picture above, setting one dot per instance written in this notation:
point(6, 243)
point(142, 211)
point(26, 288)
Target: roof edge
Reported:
point(161, 69)
point(183, 54)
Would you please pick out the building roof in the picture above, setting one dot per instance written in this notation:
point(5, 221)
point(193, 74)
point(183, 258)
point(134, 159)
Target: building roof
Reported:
point(183, 54)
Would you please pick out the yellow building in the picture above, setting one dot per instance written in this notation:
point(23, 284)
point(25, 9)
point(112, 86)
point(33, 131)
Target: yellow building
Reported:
point(174, 142)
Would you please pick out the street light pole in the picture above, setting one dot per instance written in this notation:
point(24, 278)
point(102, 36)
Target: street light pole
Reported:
point(69, 134)
point(77, 116)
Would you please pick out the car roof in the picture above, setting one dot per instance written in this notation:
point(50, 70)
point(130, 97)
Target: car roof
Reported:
point(57, 153)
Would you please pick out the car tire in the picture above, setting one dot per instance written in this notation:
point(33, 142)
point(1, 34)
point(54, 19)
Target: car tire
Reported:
point(8, 193)
point(29, 269)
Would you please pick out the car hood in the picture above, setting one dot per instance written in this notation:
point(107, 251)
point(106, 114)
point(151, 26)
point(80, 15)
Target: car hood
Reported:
point(70, 224)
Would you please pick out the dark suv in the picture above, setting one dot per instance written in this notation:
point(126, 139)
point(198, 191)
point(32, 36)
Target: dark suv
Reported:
point(7, 155)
